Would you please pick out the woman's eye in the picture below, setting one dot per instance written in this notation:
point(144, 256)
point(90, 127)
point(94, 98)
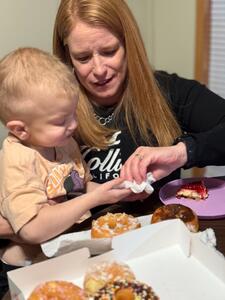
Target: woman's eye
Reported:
point(109, 52)
point(83, 59)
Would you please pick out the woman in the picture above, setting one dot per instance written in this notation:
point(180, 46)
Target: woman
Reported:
point(145, 120)
point(132, 114)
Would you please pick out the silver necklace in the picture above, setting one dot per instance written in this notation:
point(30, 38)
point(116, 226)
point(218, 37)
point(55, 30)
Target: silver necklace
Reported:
point(103, 121)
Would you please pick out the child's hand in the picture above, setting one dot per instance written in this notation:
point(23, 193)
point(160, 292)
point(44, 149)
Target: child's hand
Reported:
point(136, 197)
point(111, 192)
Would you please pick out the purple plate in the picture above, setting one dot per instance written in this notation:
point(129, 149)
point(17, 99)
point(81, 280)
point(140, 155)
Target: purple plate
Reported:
point(211, 208)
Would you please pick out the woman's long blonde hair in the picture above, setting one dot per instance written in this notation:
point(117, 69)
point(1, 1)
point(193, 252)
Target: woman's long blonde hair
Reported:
point(143, 104)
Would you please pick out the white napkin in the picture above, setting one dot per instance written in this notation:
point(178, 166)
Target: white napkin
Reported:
point(208, 237)
point(140, 187)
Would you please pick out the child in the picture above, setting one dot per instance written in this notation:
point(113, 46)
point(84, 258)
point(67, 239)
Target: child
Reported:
point(40, 162)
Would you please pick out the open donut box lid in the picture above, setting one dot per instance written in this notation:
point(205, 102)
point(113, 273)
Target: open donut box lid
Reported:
point(68, 242)
point(165, 255)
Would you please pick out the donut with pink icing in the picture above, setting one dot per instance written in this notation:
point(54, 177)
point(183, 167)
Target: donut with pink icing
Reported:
point(57, 290)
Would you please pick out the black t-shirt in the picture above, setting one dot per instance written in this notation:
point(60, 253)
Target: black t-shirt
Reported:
point(200, 113)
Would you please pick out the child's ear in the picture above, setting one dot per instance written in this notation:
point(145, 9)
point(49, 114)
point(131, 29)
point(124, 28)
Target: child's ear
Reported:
point(19, 129)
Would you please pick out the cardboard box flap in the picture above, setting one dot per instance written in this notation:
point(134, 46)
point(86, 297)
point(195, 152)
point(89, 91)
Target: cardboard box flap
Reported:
point(209, 257)
point(65, 267)
point(95, 246)
point(68, 242)
point(151, 238)
point(155, 254)
point(51, 247)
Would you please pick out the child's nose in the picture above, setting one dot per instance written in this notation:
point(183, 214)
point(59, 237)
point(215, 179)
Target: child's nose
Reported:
point(73, 125)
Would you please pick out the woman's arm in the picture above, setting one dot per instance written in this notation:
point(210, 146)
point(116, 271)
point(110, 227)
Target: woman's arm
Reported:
point(201, 115)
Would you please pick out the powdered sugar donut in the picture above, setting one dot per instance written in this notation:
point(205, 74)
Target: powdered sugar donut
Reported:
point(111, 225)
point(98, 275)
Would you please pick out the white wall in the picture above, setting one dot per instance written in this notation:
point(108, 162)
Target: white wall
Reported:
point(143, 12)
point(174, 36)
point(26, 23)
point(167, 27)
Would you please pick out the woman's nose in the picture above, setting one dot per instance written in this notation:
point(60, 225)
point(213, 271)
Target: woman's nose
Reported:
point(99, 67)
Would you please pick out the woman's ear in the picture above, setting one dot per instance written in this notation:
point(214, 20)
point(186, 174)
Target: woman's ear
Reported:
point(19, 129)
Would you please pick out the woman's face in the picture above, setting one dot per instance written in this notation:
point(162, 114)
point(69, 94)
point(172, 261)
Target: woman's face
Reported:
point(99, 61)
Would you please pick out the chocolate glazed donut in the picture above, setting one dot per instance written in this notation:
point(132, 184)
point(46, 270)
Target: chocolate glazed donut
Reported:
point(126, 290)
point(176, 211)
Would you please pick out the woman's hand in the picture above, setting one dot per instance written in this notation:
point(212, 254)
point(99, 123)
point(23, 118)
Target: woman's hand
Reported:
point(161, 161)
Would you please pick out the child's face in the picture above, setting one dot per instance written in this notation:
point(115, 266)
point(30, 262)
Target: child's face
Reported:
point(53, 122)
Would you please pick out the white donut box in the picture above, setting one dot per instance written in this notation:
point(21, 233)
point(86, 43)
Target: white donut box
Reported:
point(175, 262)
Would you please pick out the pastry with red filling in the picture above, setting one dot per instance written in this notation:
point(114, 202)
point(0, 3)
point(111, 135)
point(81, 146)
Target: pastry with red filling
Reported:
point(193, 190)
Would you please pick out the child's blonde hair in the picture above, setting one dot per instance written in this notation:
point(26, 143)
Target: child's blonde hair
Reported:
point(26, 69)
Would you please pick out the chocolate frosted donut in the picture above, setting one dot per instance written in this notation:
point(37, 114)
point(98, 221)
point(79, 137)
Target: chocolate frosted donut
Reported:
point(176, 211)
point(126, 290)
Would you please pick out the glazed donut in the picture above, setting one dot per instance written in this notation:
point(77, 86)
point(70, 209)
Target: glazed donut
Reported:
point(111, 225)
point(98, 275)
point(176, 211)
point(57, 290)
point(126, 290)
